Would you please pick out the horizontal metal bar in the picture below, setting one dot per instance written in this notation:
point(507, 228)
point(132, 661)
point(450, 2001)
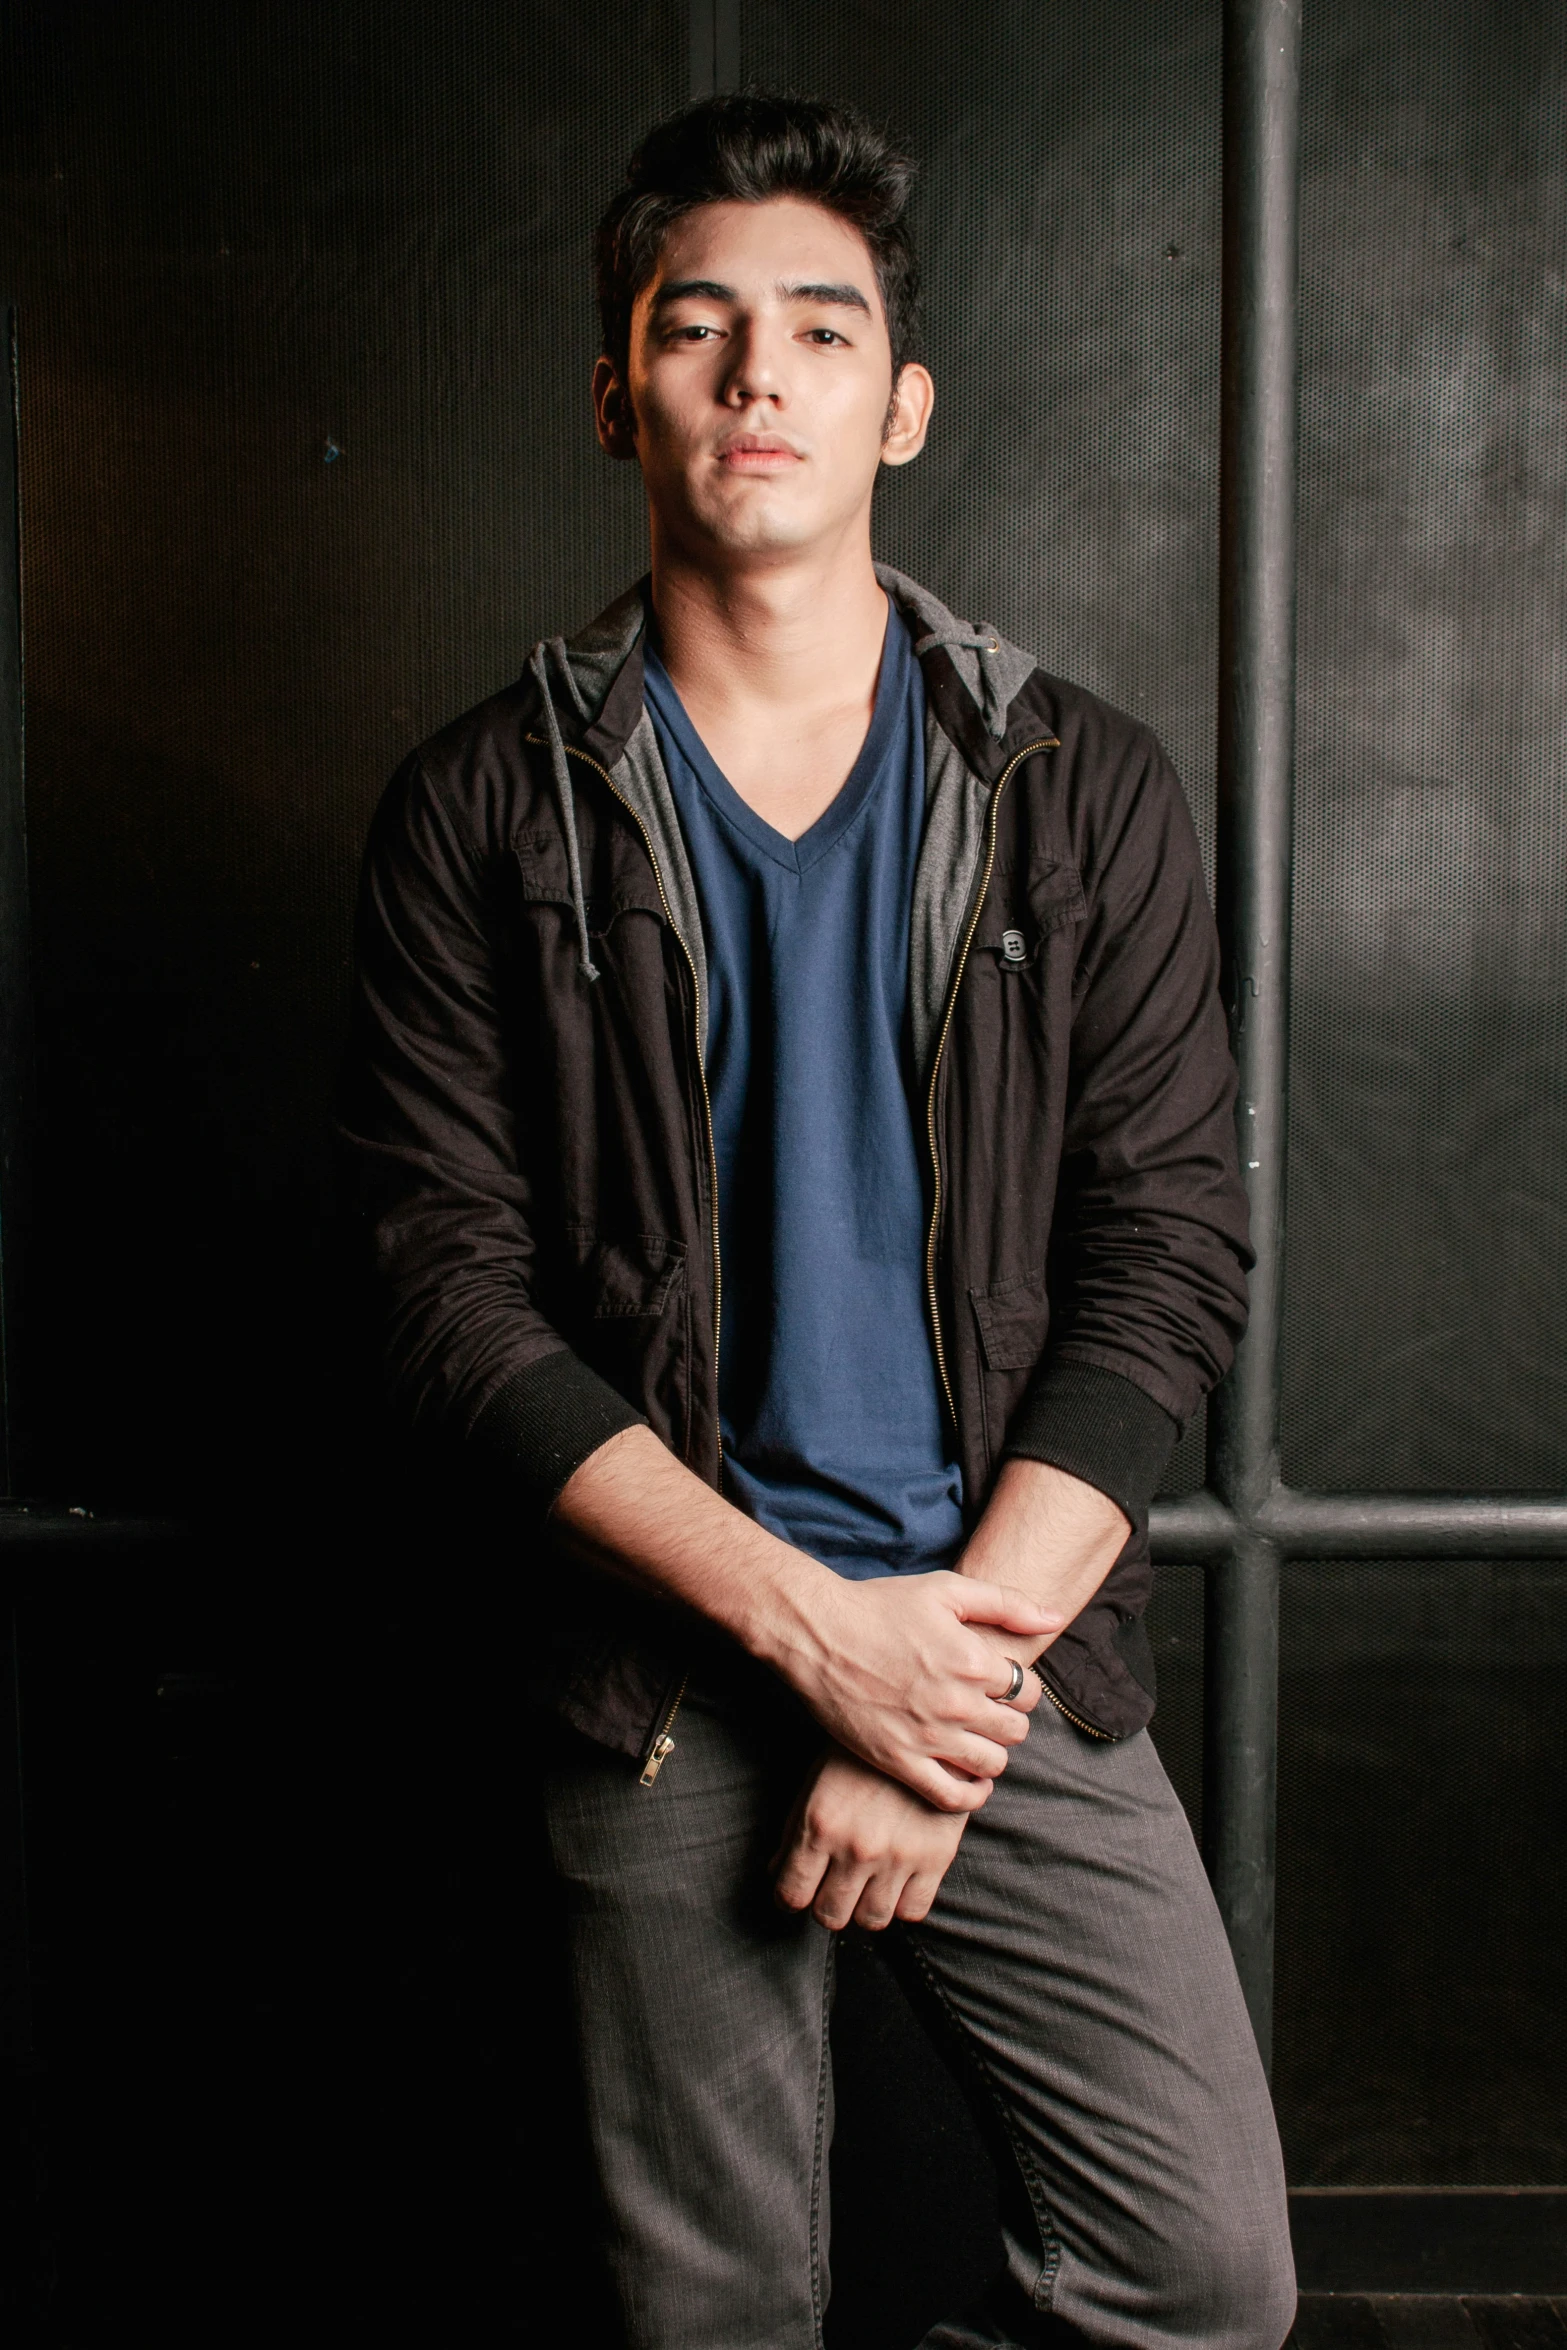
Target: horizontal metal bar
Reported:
point(1448, 2241)
point(1195, 1528)
point(38, 1527)
point(1199, 1526)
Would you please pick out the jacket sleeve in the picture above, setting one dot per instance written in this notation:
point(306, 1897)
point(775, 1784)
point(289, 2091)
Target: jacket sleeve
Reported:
point(1149, 1251)
point(429, 1119)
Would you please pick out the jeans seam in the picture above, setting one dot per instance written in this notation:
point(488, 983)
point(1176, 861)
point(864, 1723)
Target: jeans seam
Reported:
point(818, 2161)
point(1033, 2185)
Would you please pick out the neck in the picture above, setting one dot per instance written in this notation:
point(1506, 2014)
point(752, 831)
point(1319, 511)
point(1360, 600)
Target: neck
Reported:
point(787, 635)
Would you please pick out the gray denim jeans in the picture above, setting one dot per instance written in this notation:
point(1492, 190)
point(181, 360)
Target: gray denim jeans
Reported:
point(1076, 1952)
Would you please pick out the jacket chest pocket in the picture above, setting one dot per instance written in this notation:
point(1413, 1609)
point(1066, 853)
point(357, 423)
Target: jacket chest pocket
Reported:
point(617, 879)
point(1024, 909)
point(630, 1318)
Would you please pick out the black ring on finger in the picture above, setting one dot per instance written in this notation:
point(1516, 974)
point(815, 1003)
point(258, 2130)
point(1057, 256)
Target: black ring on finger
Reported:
point(1015, 1687)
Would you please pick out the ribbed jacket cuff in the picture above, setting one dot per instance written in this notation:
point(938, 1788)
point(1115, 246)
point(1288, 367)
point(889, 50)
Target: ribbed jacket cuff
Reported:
point(1097, 1426)
point(541, 1424)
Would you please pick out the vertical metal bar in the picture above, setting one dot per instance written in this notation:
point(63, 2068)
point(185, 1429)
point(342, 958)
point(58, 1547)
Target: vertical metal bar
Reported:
point(1261, 301)
point(16, 1071)
point(715, 46)
point(16, 1031)
point(699, 20)
point(17, 2049)
point(1240, 1754)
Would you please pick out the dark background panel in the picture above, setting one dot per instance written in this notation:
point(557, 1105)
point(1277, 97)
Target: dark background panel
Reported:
point(1428, 1242)
point(1421, 1990)
point(1422, 1961)
point(307, 327)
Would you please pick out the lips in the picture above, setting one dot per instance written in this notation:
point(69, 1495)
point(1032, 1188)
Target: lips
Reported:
point(757, 453)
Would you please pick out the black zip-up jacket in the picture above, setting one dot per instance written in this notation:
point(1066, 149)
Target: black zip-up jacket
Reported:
point(528, 1111)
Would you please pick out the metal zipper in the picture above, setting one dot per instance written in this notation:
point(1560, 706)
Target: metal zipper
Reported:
point(1076, 1720)
point(1048, 744)
point(663, 1745)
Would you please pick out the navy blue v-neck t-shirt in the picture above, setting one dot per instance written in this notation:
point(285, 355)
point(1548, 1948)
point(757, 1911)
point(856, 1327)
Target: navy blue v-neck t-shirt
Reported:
point(831, 1415)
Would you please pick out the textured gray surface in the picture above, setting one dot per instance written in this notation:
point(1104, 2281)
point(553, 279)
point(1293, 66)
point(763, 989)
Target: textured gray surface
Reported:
point(1428, 1246)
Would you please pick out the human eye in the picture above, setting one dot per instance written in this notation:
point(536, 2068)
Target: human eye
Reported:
point(825, 336)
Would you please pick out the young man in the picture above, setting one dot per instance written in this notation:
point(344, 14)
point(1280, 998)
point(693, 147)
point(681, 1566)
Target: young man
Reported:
point(796, 1121)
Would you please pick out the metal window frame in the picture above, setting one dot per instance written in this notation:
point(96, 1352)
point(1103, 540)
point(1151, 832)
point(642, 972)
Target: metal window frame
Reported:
point(1247, 1521)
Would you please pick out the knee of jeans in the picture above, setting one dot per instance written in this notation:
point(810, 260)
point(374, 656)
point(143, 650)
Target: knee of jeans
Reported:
point(1227, 2283)
point(1237, 2289)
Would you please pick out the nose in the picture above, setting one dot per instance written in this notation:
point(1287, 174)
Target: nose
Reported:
point(754, 372)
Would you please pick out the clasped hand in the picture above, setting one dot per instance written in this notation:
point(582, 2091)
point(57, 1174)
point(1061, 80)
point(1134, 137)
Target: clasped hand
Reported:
point(910, 1676)
point(860, 1850)
point(910, 1673)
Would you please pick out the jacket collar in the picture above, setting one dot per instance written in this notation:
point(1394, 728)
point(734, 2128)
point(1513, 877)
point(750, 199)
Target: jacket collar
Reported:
point(973, 676)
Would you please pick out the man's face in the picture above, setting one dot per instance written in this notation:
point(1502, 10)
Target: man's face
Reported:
point(760, 382)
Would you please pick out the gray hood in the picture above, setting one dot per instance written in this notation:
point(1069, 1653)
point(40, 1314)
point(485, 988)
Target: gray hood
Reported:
point(592, 690)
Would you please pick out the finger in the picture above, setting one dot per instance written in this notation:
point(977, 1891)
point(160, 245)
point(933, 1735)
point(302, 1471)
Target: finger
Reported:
point(1029, 1691)
point(1029, 1695)
point(878, 1902)
point(839, 1893)
point(945, 1790)
point(796, 1882)
point(791, 1834)
point(999, 1603)
point(918, 1897)
point(966, 1750)
point(1005, 1724)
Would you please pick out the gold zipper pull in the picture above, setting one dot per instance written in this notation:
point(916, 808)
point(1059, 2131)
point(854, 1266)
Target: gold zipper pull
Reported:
point(663, 1748)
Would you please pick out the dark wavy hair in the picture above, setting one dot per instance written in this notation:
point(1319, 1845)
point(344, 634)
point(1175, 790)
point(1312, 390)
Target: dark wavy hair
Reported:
point(745, 147)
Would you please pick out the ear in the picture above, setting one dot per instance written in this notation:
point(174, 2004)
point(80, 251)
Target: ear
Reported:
point(617, 427)
point(908, 419)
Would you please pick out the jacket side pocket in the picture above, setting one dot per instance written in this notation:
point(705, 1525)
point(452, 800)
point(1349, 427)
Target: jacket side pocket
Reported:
point(1013, 1319)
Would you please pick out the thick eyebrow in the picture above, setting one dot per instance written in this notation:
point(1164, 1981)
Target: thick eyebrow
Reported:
point(680, 289)
point(847, 297)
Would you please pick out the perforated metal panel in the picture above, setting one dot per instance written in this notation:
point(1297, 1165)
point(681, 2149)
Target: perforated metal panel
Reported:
point(1428, 1239)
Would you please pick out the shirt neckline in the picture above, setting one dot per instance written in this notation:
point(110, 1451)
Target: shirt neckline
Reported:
point(871, 762)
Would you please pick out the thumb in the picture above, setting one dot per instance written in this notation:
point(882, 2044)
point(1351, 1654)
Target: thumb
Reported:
point(1003, 1605)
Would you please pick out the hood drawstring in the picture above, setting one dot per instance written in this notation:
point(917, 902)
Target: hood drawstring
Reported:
point(538, 662)
point(986, 642)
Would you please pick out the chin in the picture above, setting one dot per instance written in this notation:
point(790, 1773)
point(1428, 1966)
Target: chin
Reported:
point(768, 539)
point(757, 526)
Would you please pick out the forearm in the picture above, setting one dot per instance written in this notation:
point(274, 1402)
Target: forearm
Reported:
point(1049, 1534)
point(635, 1510)
point(902, 1670)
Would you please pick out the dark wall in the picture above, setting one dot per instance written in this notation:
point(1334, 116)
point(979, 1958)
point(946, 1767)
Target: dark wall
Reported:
point(306, 331)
